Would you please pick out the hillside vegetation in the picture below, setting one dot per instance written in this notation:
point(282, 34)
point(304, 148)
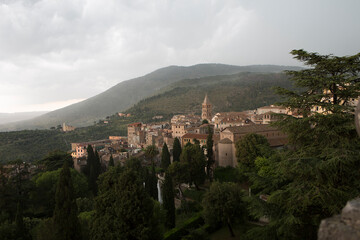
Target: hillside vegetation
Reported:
point(237, 92)
point(127, 93)
point(227, 93)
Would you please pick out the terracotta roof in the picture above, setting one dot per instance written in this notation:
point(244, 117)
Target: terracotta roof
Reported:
point(137, 124)
point(194, 135)
point(251, 128)
point(226, 141)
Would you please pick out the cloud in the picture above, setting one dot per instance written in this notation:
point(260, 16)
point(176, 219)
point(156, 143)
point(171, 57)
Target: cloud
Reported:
point(52, 51)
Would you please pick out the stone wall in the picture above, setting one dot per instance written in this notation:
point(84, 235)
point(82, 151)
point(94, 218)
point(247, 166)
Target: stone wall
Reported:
point(345, 226)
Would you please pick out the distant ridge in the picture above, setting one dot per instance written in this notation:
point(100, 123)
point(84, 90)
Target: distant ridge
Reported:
point(127, 93)
point(19, 116)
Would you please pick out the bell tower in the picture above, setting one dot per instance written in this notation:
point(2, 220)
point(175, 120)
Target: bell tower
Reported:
point(206, 109)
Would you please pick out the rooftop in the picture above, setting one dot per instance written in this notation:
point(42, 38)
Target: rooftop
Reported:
point(251, 129)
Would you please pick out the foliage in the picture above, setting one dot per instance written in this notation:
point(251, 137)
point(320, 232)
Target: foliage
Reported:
point(209, 154)
point(179, 232)
point(123, 210)
point(92, 169)
point(168, 200)
point(319, 173)
point(179, 173)
point(224, 204)
point(176, 150)
point(43, 195)
point(66, 223)
point(193, 155)
point(55, 160)
point(151, 183)
point(111, 161)
point(250, 147)
point(150, 152)
point(165, 157)
point(226, 174)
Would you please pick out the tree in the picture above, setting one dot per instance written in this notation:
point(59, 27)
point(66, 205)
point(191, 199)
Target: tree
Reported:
point(151, 183)
point(43, 194)
point(319, 173)
point(165, 157)
point(193, 155)
point(92, 169)
point(150, 152)
point(204, 121)
point(55, 160)
point(111, 161)
point(179, 172)
point(168, 201)
point(123, 210)
point(223, 204)
point(176, 150)
point(250, 147)
point(65, 219)
point(209, 154)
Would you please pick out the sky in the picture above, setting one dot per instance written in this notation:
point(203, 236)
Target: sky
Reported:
point(56, 53)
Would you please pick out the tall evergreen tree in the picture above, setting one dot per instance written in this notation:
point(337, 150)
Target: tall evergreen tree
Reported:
point(193, 155)
point(176, 150)
point(153, 183)
point(209, 154)
point(150, 152)
point(123, 210)
point(168, 200)
point(165, 157)
point(320, 172)
point(65, 219)
point(21, 230)
point(93, 169)
point(111, 161)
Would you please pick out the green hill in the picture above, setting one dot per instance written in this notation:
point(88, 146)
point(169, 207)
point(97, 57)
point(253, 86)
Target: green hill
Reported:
point(236, 92)
point(127, 93)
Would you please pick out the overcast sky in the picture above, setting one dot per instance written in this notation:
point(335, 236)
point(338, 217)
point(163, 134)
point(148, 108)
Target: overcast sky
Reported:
point(57, 52)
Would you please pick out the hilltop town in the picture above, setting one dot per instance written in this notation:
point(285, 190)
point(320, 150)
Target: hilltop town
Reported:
point(227, 129)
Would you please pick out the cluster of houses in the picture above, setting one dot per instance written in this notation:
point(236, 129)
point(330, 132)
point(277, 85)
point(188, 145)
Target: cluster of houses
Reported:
point(227, 129)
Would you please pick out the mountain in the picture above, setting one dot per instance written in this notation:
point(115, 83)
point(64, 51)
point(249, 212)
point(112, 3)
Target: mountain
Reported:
point(127, 93)
point(237, 92)
point(19, 116)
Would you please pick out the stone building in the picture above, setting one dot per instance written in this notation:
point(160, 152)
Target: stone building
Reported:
point(136, 134)
point(206, 109)
point(229, 136)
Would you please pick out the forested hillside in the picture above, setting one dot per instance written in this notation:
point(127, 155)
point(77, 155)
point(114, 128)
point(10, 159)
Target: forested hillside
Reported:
point(127, 93)
point(237, 92)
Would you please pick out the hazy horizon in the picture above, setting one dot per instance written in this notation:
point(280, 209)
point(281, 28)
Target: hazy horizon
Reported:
point(59, 53)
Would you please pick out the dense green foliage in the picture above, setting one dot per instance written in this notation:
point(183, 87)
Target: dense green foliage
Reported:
point(43, 194)
point(209, 154)
point(168, 200)
point(165, 157)
point(123, 210)
point(223, 204)
point(66, 222)
point(176, 150)
point(320, 172)
point(55, 160)
point(92, 169)
point(193, 156)
point(228, 93)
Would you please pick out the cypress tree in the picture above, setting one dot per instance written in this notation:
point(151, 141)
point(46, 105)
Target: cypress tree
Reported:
point(165, 157)
point(176, 150)
point(123, 210)
point(153, 184)
point(66, 223)
point(209, 153)
point(168, 201)
point(111, 162)
point(21, 231)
